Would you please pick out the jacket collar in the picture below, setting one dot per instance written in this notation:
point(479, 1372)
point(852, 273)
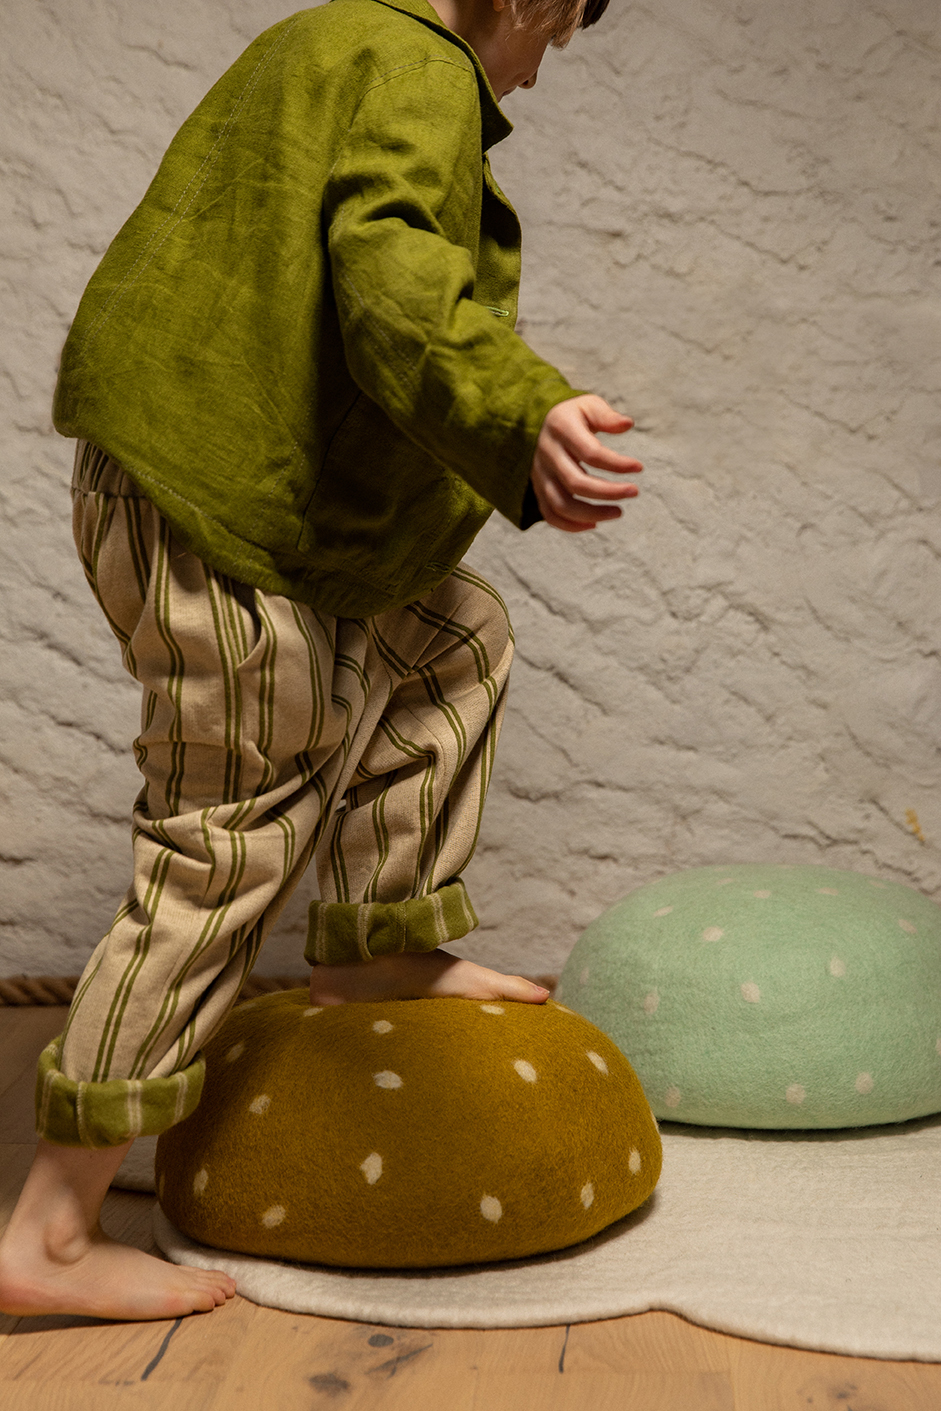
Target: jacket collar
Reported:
point(495, 125)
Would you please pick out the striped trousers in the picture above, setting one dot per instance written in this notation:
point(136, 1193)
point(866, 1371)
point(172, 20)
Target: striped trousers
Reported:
point(271, 734)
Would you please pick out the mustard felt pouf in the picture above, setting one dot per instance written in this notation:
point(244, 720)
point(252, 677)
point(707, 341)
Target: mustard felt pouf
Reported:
point(408, 1134)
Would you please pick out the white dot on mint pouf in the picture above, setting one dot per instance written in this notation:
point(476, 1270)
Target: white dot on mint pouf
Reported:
point(864, 1049)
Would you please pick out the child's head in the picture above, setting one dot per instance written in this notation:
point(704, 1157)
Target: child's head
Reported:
point(557, 18)
point(510, 37)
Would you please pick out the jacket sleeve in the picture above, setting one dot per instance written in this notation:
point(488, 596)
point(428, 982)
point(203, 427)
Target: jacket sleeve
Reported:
point(402, 208)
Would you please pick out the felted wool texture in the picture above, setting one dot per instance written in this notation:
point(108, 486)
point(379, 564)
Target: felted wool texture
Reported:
point(827, 1240)
point(770, 996)
point(408, 1134)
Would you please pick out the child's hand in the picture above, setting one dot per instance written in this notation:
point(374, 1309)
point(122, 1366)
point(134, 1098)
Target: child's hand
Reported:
point(561, 484)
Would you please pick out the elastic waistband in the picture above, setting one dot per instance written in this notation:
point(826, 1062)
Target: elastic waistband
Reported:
point(96, 473)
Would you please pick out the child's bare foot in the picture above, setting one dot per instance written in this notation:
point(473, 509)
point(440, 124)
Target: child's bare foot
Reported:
point(55, 1258)
point(418, 975)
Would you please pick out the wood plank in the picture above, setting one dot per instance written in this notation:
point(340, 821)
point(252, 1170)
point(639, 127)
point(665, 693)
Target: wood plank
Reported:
point(24, 1034)
point(85, 1351)
point(491, 1352)
point(601, 1391)
point(783, 1378)
point(326, 1361)
point(15, 1160)
point(660, 1342)
point(390, 1369)
point(48, 1396)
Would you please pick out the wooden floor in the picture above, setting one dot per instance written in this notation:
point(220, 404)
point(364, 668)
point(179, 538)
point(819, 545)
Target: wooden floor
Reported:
point(245, 1358)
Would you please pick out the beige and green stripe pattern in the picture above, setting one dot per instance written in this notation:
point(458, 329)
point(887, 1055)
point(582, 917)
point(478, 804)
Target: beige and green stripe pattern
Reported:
point(271, 734)
point(107, 1114)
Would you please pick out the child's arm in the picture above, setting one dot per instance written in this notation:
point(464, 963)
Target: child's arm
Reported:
point(566, 442)
point(424, 336)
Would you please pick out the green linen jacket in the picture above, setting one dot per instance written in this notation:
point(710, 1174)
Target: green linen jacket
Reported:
point(301, 345)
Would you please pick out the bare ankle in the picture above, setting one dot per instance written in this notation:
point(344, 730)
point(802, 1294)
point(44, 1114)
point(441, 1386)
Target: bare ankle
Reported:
point(65, 1188)
point(54, 1257)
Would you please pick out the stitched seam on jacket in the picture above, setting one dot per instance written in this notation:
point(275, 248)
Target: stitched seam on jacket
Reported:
point(467, 69)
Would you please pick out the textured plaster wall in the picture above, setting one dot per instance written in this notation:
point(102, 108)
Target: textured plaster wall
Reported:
point(732, 231)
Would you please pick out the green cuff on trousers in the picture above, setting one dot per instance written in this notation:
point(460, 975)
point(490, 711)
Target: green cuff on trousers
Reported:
point(341, 933)
point(71, 1113)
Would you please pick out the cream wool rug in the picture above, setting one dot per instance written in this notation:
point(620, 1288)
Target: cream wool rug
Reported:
point(826, 1240)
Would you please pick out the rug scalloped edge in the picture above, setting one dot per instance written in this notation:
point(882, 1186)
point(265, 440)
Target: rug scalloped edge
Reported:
point(257, 1280)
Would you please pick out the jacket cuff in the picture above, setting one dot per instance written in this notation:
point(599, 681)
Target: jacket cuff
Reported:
point(73, 1113)
point(532, 514)
point(520, 506)
point(342, 933)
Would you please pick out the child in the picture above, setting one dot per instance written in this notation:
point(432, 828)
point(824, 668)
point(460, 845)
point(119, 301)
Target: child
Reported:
point(298, 395)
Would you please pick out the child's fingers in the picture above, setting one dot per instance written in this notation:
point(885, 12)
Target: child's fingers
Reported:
point(563, 511)
point(558, 520)
point(585, 447)
point(599, 414)
point(572, 424)
point(604, 458)
point(567, 445)
point(565, 466)
point(591, 488)
point(602, 416)
point(568, 526)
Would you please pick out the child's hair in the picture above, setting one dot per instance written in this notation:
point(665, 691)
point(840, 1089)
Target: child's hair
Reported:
point(560, 17)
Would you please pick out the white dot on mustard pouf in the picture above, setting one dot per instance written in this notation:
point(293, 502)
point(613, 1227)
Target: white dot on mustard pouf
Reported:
point(408, 1134)
point(770, 996)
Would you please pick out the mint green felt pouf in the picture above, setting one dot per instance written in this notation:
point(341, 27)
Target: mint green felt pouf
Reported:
point(770, 996)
